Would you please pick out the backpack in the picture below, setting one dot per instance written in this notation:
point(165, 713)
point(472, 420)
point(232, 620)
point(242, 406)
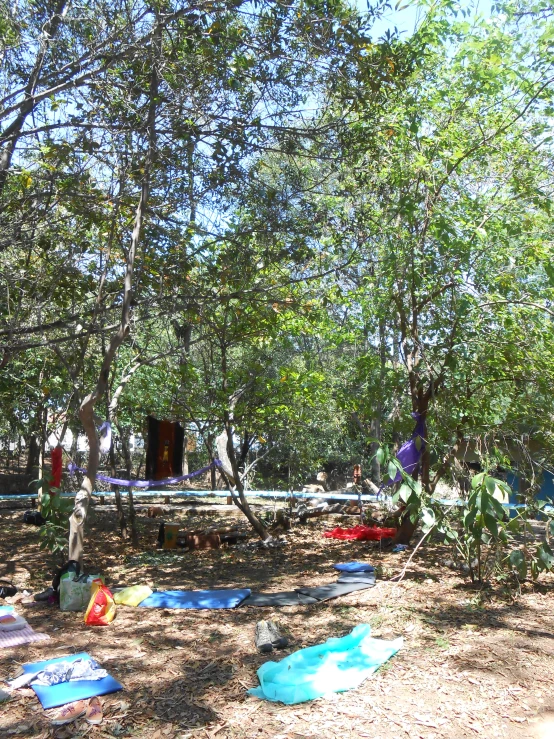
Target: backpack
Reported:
point(34, 518)
point(6, 591)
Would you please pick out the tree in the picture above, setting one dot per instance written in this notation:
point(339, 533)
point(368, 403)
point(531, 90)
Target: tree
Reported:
point(156, 117)
point(447, 212)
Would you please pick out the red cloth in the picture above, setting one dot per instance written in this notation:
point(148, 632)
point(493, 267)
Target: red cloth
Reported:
point(56, 461)
point(362, 533)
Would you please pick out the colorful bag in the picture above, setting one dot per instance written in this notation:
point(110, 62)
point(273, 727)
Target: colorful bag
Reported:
point(101, 609)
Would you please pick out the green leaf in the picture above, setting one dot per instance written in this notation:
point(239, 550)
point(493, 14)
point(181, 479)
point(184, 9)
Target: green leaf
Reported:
point(514, 525)
point(490, 484)
point(380, 455)
point(427, 518)
point(416, 486)
point(502, 494)
point(491, 523)
point(549, 269)
point(477, 480)
point(405, 492)
point(414, 513)
point(496, 508)
point(469, 518)
point(545, 556)
point(392, 470)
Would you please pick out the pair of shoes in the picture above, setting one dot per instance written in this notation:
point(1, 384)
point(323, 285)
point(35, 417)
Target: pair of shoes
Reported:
point(72, 711)
point(268, 636)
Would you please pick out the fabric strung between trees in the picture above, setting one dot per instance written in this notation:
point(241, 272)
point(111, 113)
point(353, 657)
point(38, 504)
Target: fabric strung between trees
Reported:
point(215, 464)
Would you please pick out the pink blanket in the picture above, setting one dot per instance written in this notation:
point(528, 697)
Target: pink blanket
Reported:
point(26, 635)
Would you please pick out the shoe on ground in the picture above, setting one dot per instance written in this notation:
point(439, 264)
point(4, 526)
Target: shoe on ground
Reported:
point(44, 595)
point(69, 713)
point(277, 639)
point(94, 713)
point(263, 637)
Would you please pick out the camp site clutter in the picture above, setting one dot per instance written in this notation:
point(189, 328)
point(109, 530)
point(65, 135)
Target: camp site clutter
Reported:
point(72, 684)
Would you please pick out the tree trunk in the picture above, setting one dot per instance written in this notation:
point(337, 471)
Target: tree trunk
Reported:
point(375, 431)
point(124, 436)
point(405, 531)
point(376, 420)
point(121, 520)
point(407, 528)
point(228, 460)
point(186, 457)
point(86, 412)
point(213, 471)
point(82, 499)
point(425, 469)
point(33, 455)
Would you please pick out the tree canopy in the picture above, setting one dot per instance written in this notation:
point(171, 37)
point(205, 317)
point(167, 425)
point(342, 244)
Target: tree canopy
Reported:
point(261, 218)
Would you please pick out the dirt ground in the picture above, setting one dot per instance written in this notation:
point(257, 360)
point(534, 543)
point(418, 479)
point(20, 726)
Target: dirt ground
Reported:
point(474, 662)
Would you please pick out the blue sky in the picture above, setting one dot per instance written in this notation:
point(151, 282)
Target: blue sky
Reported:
point(406, 18)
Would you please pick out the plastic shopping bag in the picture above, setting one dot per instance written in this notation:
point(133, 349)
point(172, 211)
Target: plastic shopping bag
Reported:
point(75, 592)
point(101, 608)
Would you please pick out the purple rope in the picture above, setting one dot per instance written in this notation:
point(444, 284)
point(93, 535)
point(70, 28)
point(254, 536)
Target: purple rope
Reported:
point(72, 468)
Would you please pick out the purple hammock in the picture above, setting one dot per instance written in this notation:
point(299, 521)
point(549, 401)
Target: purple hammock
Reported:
point(72, 468)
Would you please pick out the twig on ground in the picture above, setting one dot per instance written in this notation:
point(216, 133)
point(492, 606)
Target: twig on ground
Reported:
point(400, 577)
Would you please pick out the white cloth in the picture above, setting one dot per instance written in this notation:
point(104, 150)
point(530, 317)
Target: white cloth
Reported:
point(62, 672)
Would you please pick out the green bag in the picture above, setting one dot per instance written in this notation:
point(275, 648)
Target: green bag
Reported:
point(75, 592)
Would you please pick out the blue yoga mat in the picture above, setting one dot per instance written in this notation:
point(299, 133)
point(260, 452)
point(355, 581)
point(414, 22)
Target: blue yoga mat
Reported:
point(52, 696)
point(354, 567)
point(197, 599)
